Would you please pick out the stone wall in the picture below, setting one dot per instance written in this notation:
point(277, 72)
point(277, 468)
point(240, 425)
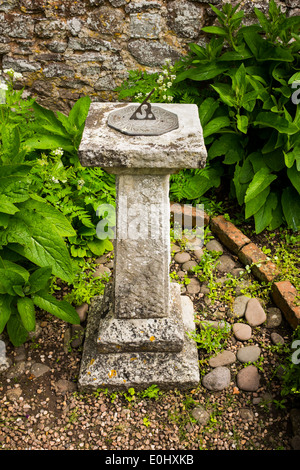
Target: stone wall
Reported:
point(66, 48)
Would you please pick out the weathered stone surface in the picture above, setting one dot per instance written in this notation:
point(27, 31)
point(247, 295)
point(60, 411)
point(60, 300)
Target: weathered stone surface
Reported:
point(248, 354)
point(214, 245)
point(285, 297)
point(222, 359)
point(149, 334)
point(262, 269)
point(152, 53)
point(239, 306)
point(181, 148)
point(228, 233)
point(277, 338)
point(217, 379)
point(107, 20)
point(255, 314)
point(145, 25)
point(182, 257)
point(38, 369)
point(20, 65)
point(225, 264)
point(119, 371)
point(242, 331)
point(194, 286)
point(185, 18)
point(274, 317)
point(248, 379)
point(201, 415)
point(4, 361)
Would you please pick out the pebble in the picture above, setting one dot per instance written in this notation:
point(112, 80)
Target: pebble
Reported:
point(175, 248)
point(101, 271)
point(239, 306)
point(82, 311)
point(248, 354)
point(242, 331)
point(217, 379)
point(276, 338)
point(182, 257)
point(248, 379)
point(255, 314)
point(199, 254)
point(225, 264)
point(246, 414)
point(222, 359)
point(189, 265)
point(38, 369)
point(274, 317)
point(201, 415)
point(194, 286)
point(214, 245)
point(14, 394)
point(63, 386)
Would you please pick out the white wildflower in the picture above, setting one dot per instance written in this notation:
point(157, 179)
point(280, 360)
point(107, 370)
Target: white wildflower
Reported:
point(160, 79)
point(9, 71)
point(3, 86)
point(169, 84)
point(17, 76)
point(170, 98)
point(58, 152)
point(54, 180)
point(172, 77)
point(81, 182)
point(164, 97)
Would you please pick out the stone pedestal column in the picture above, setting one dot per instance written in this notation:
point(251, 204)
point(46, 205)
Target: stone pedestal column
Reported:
point(136, 333)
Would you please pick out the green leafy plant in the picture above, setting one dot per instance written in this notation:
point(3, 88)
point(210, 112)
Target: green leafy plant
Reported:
point(242, 82)
point(250, 124)
point(209, 338)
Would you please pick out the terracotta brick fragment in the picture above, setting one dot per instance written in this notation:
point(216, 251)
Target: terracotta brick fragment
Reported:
point(228, 233)
point(263, 269)
point(285, 296)
point(192, 214)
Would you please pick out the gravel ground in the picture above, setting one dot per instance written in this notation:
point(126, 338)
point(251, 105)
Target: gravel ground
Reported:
point(41, 408)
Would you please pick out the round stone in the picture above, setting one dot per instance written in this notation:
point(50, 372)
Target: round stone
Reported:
point(274, 317)
point(248, 379)
point(222, 359)
point(248, 354)
point(175, 248)
point(255, 314)
point(217, 379)
point(182, 257)
point(194, 286)
point(225, 264)
point(239, 306)
point(198, 253)
point(201, 415)
point(189, 265)
point(214, 245)
point(276, 338)
point(242, 331)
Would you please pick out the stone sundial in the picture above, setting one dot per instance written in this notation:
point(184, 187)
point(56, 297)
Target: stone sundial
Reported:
point(143, 119)
point(136, 332)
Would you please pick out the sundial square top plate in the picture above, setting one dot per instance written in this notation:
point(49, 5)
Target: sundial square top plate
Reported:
point(164, 121)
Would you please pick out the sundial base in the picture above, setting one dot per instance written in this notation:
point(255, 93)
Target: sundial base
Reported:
point(139, 369)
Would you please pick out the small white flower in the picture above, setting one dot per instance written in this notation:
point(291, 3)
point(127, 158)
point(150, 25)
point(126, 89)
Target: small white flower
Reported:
point(164, 97)
point(169, 84)
point(58, 152)
point(54, 180)
point(17, 76)
point(9, 71)
point(170, 98)
point(3, 86)
point(172, 77)
point(81, 183)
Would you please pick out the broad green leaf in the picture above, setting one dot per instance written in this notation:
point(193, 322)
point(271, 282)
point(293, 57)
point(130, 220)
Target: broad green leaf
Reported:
point(254, 205)
point(52, 215)
point(214, 30)
point(26, 310)
point(264, 215)
point(290, 157)
point(79, 111)
point(46, 247)
point(242, 123)
point(5, 310)
point(60, 308)
point(261, 180)
point(48, 121)
point(294, 78)
point(290, 201)
point(269, 119)
point(224, 144)
point(294, 176)
point(49, 142)
point(14, 188)
point(215, 125)
point(11, 143)
point(6, 206)
point(199, 184)
point(207, 109)
point(225, 93)
point(39, 279)
point(246, 172)
point(8, 279)
point(16, 331)
point(203, 72)
point(240, 188)
point(263, 50)
point(9, 265)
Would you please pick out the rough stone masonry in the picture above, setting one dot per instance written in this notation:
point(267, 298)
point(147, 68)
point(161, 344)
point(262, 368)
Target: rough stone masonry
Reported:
point(136, 334)
point(68, 49)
